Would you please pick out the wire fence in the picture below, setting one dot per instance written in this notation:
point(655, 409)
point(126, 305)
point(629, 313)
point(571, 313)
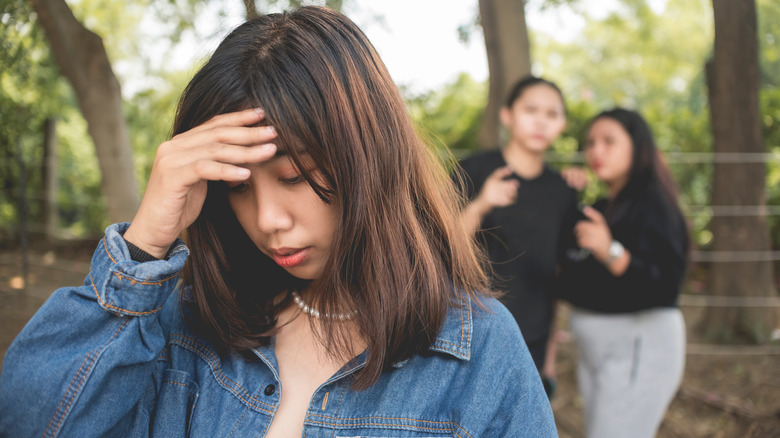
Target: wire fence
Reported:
point(685, 157)
point(23, 262)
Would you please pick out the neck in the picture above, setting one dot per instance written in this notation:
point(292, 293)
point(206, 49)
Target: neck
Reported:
point(614, 188)
point(523, 162)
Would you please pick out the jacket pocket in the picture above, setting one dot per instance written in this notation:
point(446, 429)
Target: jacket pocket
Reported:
point(176, 402)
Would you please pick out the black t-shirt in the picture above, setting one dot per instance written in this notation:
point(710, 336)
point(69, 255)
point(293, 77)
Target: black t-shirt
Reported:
point(524, 240)
point(656, 235)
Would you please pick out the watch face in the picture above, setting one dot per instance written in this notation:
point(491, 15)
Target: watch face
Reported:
point(615, 249)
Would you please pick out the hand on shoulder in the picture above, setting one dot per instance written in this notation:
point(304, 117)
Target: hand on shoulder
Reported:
point(575, 177)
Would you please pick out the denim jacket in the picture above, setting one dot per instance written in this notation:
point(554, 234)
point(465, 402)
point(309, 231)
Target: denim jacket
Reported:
point(115, 357)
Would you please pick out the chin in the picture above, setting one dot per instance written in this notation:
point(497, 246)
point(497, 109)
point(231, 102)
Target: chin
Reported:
point(302, 274)
point(603, 176)
point(537, 145)
point(538, 149)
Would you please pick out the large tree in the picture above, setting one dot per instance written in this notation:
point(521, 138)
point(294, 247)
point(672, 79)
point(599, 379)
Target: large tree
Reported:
point(740, 242)
point(509, 58)
point(84, 62)
point(254, 7)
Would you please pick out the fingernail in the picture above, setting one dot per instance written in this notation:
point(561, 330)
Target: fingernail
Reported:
point(260, 111)
point(267, 147)
point(243, 173)
point(271, 130)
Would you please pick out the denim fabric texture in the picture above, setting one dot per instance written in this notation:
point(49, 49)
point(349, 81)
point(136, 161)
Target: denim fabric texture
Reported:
point(115, 357)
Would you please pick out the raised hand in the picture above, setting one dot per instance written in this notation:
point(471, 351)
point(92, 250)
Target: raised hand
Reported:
point(594, 234)
point(575, 177)
point(497, 190)
point(177, 185)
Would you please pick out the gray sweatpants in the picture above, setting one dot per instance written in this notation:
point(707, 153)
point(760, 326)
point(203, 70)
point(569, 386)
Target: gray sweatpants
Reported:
point(629, 368)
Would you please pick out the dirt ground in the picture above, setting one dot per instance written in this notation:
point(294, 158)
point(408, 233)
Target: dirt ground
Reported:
point(726, 392)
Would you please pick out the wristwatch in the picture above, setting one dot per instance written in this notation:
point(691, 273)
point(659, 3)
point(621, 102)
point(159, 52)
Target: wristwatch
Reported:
point(616, 250)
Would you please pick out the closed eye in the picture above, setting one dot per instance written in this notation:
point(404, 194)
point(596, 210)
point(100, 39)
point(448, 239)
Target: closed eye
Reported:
point(292, 180)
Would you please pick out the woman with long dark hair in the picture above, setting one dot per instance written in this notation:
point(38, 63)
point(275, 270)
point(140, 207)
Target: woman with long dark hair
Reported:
point(519, 208)
point(326, 286)
point(630, 335)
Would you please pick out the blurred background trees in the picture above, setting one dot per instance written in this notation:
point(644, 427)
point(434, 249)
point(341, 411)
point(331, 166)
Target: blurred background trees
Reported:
point(632, 57)
point(741, 243)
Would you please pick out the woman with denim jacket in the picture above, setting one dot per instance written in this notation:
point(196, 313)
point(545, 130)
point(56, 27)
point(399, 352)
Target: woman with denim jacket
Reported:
point(326, 287)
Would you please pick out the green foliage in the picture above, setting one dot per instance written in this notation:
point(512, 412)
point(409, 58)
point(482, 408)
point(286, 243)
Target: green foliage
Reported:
point(770, 110)
point(30, 92)
point(82, 205)
point(769, 41)
point(637, 59)
point(149, 115)
point(633, 58)
point(450, 117)
point(654, 63)
point(33, 91)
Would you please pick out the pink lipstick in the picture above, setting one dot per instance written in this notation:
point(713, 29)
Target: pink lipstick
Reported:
point(288, 257)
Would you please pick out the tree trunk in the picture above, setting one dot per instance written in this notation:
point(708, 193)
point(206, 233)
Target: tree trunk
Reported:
point(509, 58)
point(250, 9)
point(23, 228)
point(733, 82)
point(49, 209)
point(84, 62)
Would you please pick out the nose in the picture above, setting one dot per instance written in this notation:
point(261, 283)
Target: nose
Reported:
point(592, 151)
point(273, 214)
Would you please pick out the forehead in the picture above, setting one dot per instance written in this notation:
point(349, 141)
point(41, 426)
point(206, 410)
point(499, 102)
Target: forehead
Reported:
point(540, 94)
point(607, 126)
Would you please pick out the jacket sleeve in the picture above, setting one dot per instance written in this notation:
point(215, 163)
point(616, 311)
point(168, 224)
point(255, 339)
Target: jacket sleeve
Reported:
point(87, 362)
point(658, 261)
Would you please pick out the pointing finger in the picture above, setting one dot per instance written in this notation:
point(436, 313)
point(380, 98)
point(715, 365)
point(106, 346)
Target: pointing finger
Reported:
point(593, 214)
point(501, 172)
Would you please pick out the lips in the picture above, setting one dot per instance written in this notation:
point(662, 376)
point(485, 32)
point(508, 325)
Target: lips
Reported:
point(289, 257)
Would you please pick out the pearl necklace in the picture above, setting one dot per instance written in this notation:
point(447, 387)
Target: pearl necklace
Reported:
point(311, 311)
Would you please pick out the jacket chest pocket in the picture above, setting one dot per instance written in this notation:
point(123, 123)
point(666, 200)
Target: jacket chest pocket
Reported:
point(176, 401)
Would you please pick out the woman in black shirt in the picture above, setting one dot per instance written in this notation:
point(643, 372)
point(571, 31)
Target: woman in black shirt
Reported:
point(519, 207)
point(624, 285)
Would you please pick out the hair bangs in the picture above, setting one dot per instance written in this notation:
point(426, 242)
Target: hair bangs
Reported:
point(297, 112)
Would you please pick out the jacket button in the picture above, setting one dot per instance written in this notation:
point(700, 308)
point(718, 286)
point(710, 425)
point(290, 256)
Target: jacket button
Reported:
point(269, 390)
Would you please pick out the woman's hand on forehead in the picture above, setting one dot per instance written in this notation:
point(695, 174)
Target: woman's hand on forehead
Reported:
point(215, 150)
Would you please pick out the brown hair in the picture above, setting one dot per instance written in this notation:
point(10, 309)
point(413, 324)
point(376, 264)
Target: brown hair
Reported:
point(400, 256)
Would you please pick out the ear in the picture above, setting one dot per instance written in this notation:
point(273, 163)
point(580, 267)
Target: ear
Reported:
point(505, 115)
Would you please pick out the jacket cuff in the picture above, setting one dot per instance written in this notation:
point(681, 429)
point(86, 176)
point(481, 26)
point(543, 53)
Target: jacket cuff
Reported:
point(125, 286)
point(139, 255)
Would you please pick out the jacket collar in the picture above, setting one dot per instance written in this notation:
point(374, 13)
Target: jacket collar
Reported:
point(454, 339)
point(455, 335)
